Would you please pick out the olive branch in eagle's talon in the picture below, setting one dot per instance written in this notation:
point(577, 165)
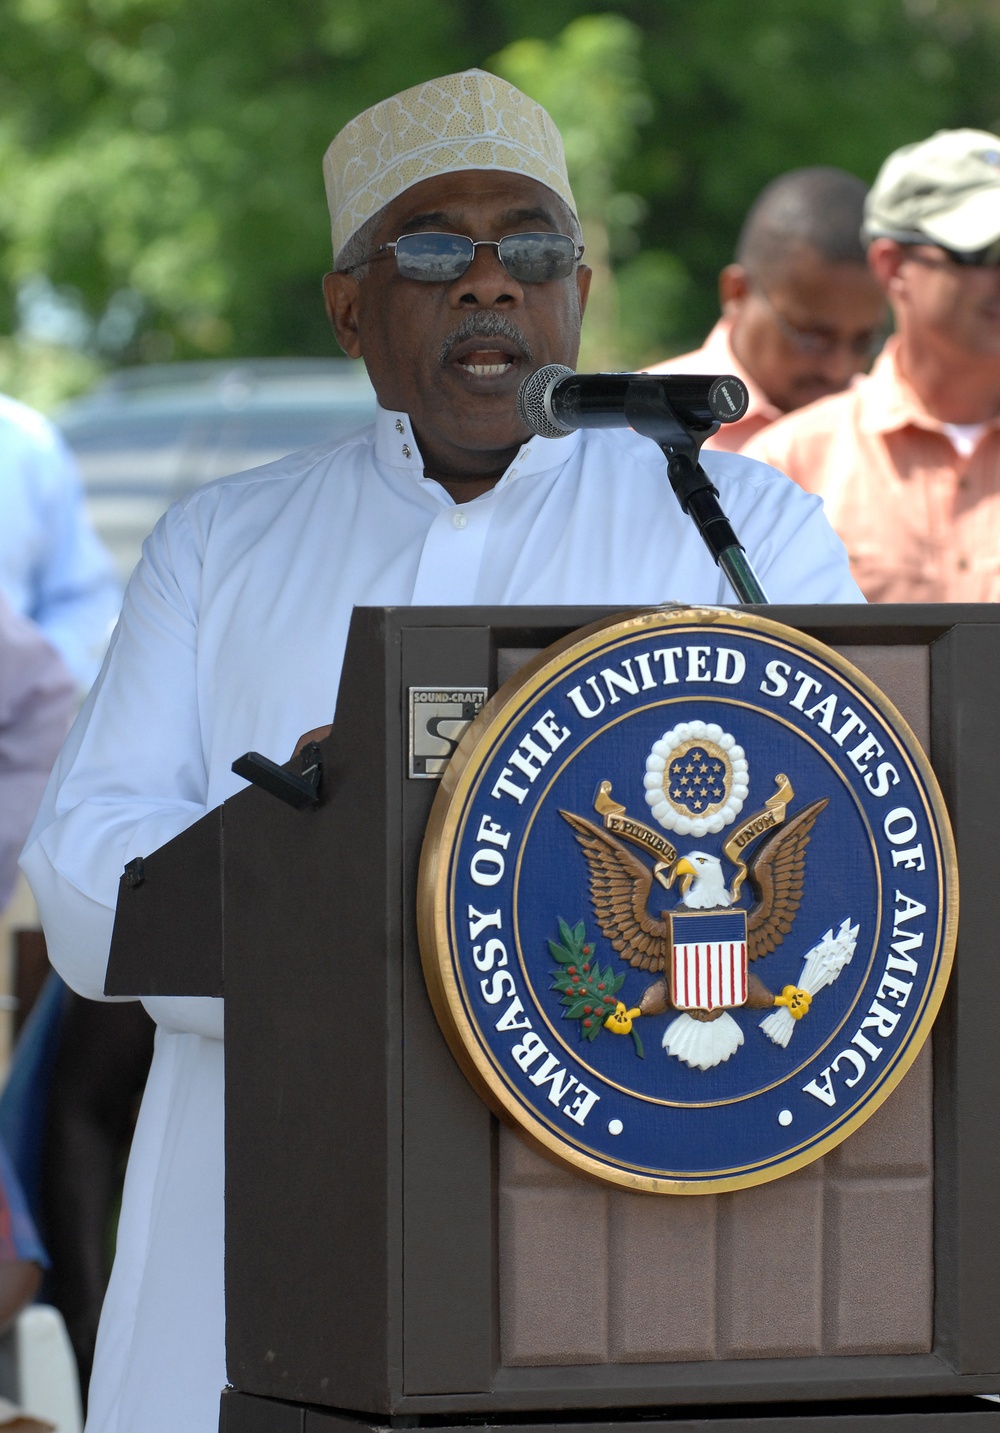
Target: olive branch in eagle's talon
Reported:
point(588, 992)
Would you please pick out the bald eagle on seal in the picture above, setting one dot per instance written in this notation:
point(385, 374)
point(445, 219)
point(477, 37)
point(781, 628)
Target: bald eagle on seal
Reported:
point(620, 887)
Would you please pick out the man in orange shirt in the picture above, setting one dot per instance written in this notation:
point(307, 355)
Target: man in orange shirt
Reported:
point(908, 461)
point(801, 313)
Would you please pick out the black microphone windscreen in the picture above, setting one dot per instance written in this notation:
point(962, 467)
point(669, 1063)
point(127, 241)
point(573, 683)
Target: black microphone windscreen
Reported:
point(531, 406)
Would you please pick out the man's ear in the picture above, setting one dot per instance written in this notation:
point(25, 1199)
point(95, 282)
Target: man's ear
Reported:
point(342, 293)
point(734, 286)
point(885, 257)
point(583, 278)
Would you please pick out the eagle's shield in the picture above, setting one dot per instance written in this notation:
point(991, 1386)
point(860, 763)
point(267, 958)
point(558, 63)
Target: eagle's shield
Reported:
point(708, 966)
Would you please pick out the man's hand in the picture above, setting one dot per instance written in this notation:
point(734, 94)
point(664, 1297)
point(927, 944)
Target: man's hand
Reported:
point(318, 733)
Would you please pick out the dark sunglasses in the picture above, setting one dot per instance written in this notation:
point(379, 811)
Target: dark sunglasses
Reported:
point(988, 258)
point(442, 258)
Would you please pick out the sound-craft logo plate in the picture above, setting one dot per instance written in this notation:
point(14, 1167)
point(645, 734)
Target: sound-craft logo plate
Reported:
point(688, 900)
point(438, 717)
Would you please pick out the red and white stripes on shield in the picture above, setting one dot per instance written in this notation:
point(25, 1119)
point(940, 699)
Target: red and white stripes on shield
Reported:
point(711, 975)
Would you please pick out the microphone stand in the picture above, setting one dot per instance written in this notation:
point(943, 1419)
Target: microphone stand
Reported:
point(649, 413)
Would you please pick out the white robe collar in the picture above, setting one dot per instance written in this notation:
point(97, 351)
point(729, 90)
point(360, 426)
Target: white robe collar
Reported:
point(396, 447)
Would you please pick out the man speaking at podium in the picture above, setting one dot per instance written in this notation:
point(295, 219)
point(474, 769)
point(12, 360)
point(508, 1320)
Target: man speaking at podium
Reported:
point(457, 271)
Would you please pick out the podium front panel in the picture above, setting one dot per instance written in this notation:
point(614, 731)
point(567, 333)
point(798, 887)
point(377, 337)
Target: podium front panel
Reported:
point(493, 1278)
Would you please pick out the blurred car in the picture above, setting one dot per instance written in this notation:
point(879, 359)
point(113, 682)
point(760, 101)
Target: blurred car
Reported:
point(147, 435)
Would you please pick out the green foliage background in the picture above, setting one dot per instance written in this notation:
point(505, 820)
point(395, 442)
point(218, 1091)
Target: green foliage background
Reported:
point(160, 159)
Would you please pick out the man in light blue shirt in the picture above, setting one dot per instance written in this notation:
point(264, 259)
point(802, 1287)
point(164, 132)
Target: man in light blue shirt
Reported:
point(53, 568)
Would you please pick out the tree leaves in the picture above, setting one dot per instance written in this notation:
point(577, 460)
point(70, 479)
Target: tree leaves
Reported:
point(171, 149)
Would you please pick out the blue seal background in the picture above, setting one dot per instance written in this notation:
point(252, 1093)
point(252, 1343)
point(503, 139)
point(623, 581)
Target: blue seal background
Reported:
point(677, 1121)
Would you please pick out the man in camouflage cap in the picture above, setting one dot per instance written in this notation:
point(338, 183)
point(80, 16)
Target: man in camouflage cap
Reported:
point(908, 461)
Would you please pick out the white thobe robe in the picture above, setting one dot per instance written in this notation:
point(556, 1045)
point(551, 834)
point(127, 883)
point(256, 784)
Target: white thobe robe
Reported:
point(231, 637)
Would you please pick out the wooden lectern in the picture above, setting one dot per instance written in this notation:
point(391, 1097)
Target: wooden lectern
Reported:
point(395, 1259)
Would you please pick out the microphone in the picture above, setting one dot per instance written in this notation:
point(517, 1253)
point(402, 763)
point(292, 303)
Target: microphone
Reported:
point(554, 400)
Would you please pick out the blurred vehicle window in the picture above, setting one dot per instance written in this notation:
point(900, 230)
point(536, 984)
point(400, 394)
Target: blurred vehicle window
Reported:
point(145, 436)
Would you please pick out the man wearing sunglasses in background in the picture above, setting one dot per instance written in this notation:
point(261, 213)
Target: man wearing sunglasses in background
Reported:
point(457, 272)
point(908, 461)
point(801, 313)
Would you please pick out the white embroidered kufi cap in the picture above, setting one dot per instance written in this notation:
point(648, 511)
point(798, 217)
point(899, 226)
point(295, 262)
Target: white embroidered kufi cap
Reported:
point(471, 120)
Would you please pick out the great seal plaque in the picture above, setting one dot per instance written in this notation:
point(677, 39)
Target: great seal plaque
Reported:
point(688, 900)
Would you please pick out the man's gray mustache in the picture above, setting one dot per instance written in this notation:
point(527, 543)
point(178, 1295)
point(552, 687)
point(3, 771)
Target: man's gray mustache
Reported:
point(485, 325)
